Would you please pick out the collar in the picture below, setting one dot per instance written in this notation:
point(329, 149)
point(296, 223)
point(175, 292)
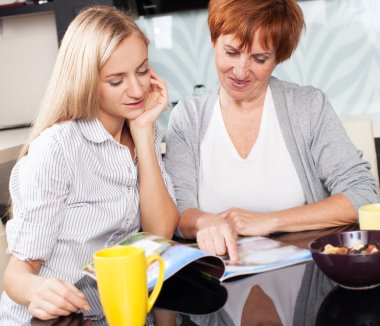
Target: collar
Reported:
point(94, 131)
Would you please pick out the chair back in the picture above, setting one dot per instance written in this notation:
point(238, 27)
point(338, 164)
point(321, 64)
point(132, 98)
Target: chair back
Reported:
point(360, 131)
point(3, 256)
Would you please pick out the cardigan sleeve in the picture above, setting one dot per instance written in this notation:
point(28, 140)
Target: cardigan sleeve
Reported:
point(165, 175)
point(338, 162)
point(180, 160)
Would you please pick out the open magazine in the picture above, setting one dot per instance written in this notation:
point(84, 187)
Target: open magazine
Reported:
point(257, 254)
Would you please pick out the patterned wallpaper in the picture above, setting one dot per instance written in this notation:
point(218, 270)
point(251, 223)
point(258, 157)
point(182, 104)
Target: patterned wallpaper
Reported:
point(181, 50)
point(339, 53)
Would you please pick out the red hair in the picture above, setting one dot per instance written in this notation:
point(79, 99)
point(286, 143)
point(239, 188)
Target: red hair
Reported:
point(279, 23)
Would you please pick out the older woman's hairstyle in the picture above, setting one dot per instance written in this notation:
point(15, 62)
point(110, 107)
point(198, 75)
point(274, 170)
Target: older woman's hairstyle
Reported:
point(279, 22)
point(73, 91)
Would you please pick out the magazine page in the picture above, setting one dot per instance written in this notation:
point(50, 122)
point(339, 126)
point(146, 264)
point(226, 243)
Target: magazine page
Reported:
point(261, 254)
point(174, 254)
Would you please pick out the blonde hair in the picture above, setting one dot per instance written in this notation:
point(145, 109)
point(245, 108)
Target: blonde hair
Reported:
point(73, 90)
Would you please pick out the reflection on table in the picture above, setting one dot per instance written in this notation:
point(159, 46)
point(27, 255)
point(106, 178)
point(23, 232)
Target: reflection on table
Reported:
point(350, 307)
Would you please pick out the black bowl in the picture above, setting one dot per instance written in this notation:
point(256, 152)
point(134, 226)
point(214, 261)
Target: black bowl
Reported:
point(356, 271)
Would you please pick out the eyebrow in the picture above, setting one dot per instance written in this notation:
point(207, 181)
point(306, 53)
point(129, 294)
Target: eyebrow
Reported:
point(230, 46)
point(118, 74)
point(237, 49)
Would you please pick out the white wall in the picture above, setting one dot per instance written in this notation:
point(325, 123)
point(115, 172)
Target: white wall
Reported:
point(28, 49)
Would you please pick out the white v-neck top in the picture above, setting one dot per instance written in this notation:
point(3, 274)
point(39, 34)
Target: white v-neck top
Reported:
point(265, 181)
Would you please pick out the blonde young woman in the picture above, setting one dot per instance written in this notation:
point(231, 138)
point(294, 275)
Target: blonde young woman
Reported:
point(92, 171)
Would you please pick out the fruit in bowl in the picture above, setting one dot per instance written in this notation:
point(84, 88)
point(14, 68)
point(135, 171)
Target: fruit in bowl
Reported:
point(354, 268)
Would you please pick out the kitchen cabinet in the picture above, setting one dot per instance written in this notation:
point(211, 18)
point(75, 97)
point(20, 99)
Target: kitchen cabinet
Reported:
point(64, 11)
point(26, 9)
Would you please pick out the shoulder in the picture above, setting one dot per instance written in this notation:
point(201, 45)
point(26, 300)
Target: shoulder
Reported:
point(54, 145)
point(300, 101)
point(196, 106)
point(193, 111)
point(51, 137)
point(295, 91)
point(295, 94)
point(46, 155)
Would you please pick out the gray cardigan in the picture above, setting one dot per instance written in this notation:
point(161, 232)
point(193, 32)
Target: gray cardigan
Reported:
point(325, 159)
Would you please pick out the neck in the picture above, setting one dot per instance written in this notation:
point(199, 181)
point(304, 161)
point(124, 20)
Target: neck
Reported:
point(115, 127)
point(246, 105)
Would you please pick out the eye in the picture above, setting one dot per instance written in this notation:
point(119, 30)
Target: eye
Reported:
point(143, 72)
point(115, 83)
point(231, 52)
point(260, 60)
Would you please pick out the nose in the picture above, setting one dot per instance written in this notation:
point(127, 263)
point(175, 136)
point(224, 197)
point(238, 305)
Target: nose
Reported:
point(134, 89)
point(241, 68)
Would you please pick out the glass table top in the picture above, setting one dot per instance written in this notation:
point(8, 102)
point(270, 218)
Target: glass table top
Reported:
point(201, 301)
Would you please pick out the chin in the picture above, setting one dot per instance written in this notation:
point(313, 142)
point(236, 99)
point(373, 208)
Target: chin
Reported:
point(238, 95)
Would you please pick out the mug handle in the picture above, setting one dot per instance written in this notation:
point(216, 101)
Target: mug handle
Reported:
point(157, 288)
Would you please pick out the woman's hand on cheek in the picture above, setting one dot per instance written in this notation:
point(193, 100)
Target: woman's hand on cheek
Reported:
point(155, 103)
point(55, 298)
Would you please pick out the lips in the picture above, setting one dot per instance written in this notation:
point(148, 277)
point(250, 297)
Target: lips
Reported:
point(239, 83)
point(135, 105)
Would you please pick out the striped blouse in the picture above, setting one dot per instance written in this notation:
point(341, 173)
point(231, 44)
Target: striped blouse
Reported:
point(74, 193)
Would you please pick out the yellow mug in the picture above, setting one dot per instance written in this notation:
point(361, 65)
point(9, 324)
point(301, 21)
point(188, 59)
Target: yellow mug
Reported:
point(122, 283)
point(369, 217)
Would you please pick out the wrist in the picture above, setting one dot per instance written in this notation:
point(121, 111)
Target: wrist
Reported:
point(34, 285)
point(200, 221)
point(276, 224)
point(142, 137)
point(190, 222)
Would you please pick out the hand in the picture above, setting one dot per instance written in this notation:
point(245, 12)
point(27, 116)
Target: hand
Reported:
point(155, 103)
point(217, 236)
point(248, 223)
point(55, 298)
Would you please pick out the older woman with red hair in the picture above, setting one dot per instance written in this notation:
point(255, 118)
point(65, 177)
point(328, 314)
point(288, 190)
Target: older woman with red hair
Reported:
point(258, 155)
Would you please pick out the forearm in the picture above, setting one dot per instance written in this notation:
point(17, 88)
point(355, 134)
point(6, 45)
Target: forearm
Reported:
point(21, 279)
point(189, 222)
point(332, 211)
point(46, 298)
point(159, 215)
